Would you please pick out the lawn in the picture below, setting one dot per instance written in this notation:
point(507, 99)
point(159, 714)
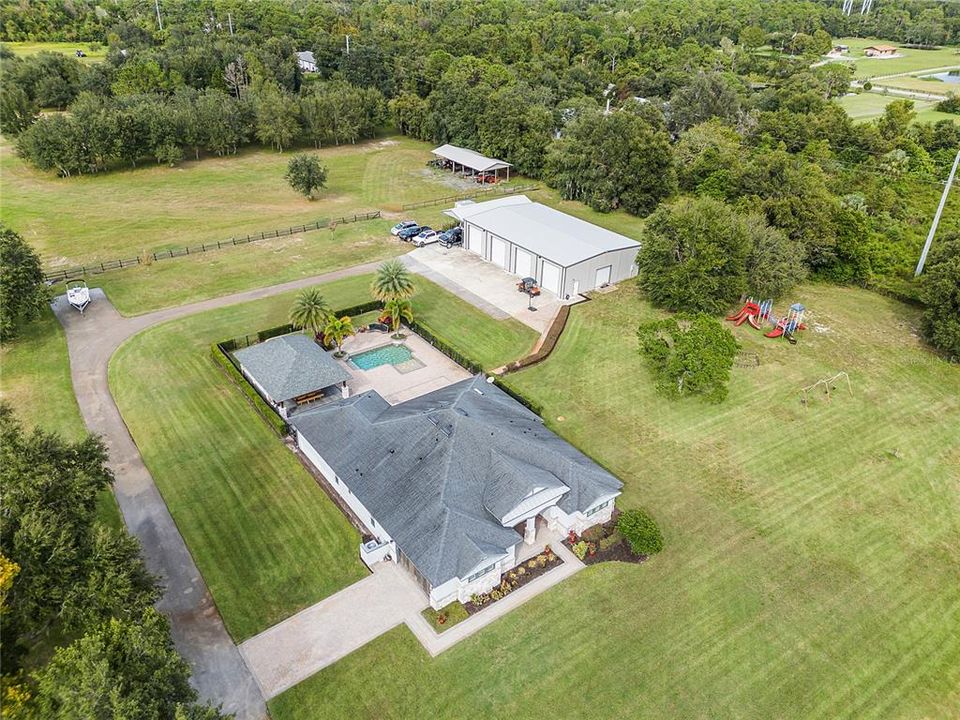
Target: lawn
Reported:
point(911, 62)
point(869, 105)
point(35, 381)
point(95, 52)
point(266, 538)
point(812, 560)
point(266, 262)
point(127, 212)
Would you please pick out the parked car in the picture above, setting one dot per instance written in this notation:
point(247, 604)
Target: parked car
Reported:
point(529, 286)
point(451, 237)
point(402, 225)
point(409, 233)
point(426, 236)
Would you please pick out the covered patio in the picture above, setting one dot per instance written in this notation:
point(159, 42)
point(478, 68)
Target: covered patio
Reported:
point(465, 159)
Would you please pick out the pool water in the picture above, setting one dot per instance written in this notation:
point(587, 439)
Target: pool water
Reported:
point(386, 355)
point(951, 76)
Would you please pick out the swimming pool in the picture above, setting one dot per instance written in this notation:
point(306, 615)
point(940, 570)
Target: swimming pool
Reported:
point(385, 355)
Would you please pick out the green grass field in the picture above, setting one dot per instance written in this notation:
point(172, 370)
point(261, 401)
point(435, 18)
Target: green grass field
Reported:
point(912, 60)
point(35, 381)
point(267, 262)
point(124, 213)
point(266, 538)
point(95, 52)
point(812, 560)
point(870, 105)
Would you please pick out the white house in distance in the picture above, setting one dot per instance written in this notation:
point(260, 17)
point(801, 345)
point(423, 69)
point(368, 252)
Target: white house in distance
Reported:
point(564, 254)
point(306, 61)
point(450, 484)
point(291, 371)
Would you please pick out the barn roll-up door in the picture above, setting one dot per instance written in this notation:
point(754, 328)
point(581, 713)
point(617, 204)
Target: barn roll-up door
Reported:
point(550, 277)
point(499, 252)
point(523, 265)
point(474, 239)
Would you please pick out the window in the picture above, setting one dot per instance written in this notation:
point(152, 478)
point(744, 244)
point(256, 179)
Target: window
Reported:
point(481, 573)
point(596, 509)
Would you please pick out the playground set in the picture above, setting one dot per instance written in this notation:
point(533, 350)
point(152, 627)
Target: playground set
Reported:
point(756, 315)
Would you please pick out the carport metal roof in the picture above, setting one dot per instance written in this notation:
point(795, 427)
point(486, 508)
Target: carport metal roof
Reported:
point(469, 158)
point(560, 238)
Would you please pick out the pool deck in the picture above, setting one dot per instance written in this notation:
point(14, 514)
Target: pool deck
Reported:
point(394, 386)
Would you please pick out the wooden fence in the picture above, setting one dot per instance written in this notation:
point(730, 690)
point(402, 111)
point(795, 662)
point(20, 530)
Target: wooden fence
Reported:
point(496, 191)
point(56, 276)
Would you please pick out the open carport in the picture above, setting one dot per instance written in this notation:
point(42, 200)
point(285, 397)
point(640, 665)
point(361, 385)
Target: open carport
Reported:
point(465, 159)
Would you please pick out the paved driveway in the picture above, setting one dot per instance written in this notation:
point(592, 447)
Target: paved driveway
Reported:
point(296, 648)
point(488, 287)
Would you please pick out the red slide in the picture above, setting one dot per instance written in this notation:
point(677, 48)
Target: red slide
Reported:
point(750, 308)
point(753, 322)
point(775, 333)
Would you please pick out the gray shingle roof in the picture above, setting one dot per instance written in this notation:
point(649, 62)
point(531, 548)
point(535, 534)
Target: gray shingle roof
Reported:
point(438, 471)
point(289, 366)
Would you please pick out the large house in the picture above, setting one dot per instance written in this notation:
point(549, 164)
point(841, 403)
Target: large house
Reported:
point(292, 371)
point(564, 254)
point(306, 61)
point(451, 484)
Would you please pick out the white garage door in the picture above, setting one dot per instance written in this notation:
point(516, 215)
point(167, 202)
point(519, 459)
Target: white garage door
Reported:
point(524, 264)
point(603, 276)
point(551, 278)
point(498, 252)
point(474, 239)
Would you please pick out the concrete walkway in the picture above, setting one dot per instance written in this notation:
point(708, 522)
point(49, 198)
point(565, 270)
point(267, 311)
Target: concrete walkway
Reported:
point(318, 636)
point(219, 673)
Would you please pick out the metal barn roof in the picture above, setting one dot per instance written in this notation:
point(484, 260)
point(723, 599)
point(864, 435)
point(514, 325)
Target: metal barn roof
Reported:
point(551, 234)
point(469, 158)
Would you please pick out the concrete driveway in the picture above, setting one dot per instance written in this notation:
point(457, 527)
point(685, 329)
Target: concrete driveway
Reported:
point(473, 278)
point(318, 636)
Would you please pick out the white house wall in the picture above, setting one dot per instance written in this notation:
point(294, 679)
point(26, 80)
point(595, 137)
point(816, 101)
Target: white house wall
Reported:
point(457, 589)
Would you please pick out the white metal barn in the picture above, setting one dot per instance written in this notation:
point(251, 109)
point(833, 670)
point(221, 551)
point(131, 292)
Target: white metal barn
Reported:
point(564, 254)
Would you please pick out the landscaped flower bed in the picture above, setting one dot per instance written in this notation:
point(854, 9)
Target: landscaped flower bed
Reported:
point(445, 617)
point(529, 569)
point(602, 543)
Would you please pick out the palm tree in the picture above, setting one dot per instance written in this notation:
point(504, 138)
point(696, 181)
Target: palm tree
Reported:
point(338, 330)
point(398, 309)
point(392, 281)
point(310, 310)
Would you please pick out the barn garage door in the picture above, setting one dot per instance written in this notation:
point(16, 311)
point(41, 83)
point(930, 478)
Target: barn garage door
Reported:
point(474, 239)
point(498, 252)
point(551, 278)
point(603, 276)
point(524, 263)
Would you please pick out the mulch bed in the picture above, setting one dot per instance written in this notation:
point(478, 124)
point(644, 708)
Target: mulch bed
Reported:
point(529, 575)
point(618, 552)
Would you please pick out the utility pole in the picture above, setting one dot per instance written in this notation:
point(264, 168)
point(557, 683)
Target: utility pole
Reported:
point(936, 218)
point(230, 22)
point(156, 5)
point(348, 44)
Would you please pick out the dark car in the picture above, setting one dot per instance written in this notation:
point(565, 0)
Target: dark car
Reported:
point(451, 237)
point(410, 232)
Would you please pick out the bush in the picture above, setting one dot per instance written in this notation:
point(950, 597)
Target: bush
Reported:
point(580, 550)
point(610, 540)
point(940, 290)
point(640, 530)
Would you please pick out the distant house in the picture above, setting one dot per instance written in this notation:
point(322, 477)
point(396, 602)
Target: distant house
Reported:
point(839, 51)
point(306, 61)
point(291, 371)
point(453, 484)
point(880, 51)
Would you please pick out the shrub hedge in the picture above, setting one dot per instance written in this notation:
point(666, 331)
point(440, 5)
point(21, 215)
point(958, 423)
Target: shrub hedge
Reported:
point(277, 423)
point(261, 335)
point(549, 342)
point(445, 347)
point(640, 530)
